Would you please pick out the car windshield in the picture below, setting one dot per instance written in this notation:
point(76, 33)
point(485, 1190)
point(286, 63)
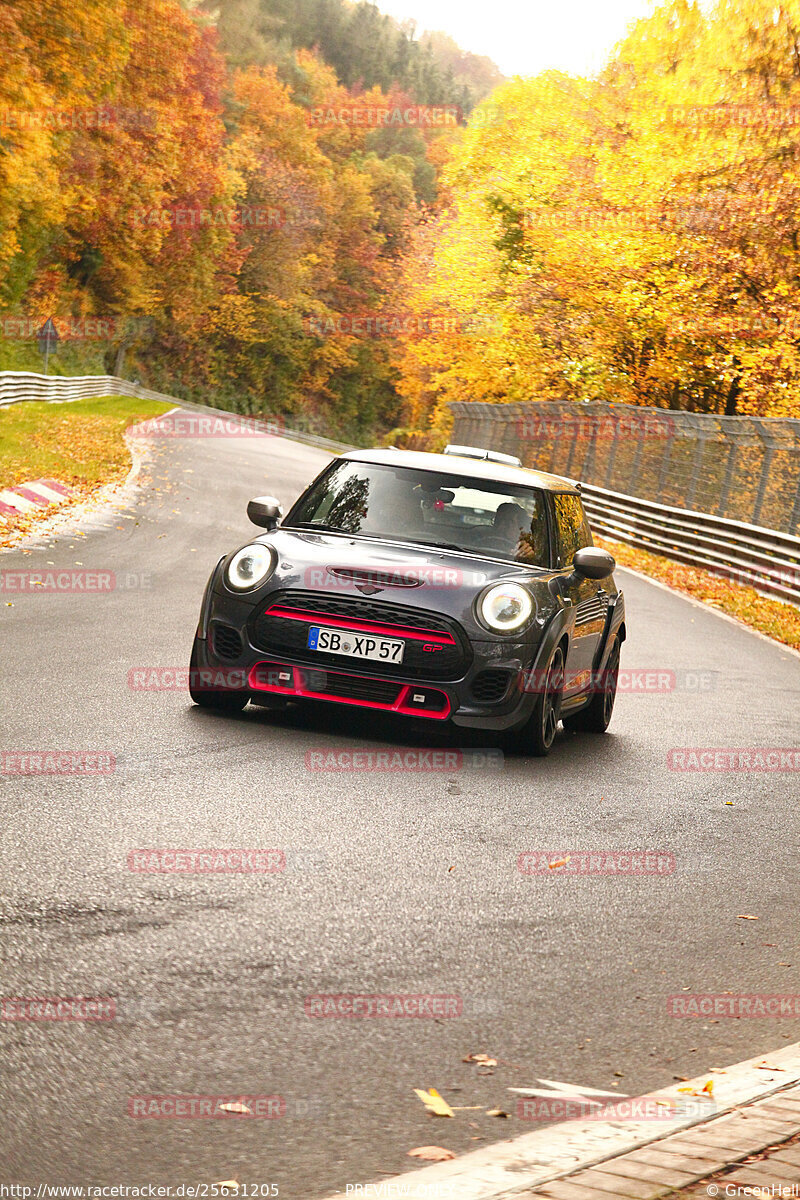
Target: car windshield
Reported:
point(459, 512)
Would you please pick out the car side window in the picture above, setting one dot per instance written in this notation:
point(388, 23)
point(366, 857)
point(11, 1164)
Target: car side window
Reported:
point(572, 527)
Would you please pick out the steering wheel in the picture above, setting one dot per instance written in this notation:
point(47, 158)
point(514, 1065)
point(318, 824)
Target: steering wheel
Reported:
point(493, 541)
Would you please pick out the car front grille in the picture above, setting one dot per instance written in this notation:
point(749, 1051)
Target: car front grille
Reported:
point(284, 626)
point(314, 683)
point(226, 642)
point(490, 686)
point(352, 687)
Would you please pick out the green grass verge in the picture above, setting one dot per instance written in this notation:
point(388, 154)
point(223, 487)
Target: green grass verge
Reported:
point(80, 443)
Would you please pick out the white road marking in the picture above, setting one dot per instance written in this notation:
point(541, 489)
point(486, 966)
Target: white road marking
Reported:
point(570, 1090)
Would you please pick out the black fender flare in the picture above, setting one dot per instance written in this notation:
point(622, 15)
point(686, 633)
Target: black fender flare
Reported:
point(205, 604)
point(560, 626)
point(615, 624)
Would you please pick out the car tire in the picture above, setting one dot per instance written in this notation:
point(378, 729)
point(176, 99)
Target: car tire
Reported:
point(596, 717)
point(538, 733)
point(221, 700)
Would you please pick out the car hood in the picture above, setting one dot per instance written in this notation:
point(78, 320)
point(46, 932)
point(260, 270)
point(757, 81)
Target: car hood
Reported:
point(343, 562)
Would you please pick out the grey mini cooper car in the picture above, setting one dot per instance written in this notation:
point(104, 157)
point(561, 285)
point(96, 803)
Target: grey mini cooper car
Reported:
point(454, 587)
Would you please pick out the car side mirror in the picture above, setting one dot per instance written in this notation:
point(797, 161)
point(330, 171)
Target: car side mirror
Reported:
point(265, 511)
point(590, 562)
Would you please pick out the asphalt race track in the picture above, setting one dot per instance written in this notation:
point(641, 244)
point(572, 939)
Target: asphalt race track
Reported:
point(402, 882)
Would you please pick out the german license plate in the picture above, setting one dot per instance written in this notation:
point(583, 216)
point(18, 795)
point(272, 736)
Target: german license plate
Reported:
point(357, 645)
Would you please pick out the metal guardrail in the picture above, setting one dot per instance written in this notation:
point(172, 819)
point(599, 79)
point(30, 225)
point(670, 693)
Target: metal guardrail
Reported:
point(549, 436)
point(747, 554)
point(743, 468)
point(16, 386)
point(765, 559)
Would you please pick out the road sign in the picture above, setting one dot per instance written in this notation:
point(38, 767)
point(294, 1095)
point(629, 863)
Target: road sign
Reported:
point(48, 340)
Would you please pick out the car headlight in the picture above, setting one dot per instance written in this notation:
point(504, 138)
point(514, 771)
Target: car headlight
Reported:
point(249, 567)
point(505, 607)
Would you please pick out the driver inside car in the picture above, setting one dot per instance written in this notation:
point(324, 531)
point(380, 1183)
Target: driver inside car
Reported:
point(393, 509)
point(519, 529)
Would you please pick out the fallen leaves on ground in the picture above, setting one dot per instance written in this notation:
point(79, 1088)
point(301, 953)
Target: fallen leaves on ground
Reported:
point(746, 917)
point(706, 1090)
point(81, 444)
point(496, 1112)
point(432, 1153)
point(236, 1108)
point(771, 617)
point(483, 1060)
point(434, 1103)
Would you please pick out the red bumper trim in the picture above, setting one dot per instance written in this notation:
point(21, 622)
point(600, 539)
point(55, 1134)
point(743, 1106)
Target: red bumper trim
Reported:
point(297, 686)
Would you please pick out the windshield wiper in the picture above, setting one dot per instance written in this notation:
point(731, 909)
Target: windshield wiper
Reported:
point(397, 537)
point(315, 525)
point(443, 546)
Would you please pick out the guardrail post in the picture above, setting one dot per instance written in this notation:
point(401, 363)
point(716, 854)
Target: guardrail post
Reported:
point(795, 518)
point(570, 459)
point(699, 451)
point(612, 453)
point(662, 475)
point(591, 453)
point(509, 437)
point(730, 470)
point(768, 441)
point(637, 456)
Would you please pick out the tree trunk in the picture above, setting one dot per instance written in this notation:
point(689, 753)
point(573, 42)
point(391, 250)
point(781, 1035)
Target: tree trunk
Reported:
point(733, 396)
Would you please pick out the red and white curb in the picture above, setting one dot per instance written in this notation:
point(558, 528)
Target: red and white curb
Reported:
point(31, 497)
point(533, 1159)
